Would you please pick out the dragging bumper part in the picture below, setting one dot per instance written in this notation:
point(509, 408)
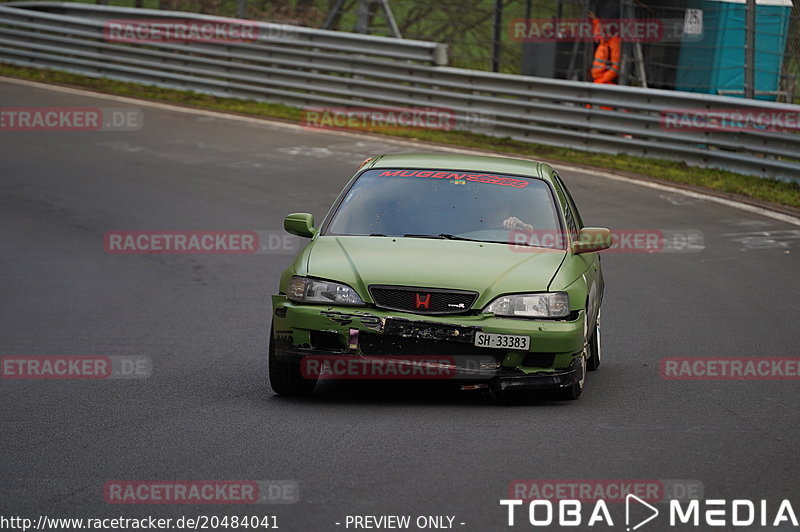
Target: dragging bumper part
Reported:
point(486, 372)
point(514, 380)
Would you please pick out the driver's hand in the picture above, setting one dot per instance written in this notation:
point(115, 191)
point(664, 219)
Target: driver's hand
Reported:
point(512, 223)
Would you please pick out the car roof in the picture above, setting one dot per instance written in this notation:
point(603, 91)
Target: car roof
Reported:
point(476, 163)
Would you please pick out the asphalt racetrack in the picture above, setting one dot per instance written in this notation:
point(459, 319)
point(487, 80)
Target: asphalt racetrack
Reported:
point(206, 411)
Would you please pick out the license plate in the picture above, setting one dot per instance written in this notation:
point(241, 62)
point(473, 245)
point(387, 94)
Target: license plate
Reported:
point(502, 341)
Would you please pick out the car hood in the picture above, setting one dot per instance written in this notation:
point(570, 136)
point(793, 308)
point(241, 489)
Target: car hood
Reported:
point(489, 269)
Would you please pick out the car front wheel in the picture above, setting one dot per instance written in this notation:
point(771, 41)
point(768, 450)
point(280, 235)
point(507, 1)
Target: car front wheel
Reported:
point(573, 392)
point(595, 354)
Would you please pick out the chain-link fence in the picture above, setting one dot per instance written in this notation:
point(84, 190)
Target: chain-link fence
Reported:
point(692, 45)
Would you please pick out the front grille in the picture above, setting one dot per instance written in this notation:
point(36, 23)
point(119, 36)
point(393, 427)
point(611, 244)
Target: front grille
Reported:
point(423, 300)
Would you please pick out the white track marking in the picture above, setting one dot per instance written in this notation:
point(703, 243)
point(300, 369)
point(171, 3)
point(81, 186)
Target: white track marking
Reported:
point(363, 136)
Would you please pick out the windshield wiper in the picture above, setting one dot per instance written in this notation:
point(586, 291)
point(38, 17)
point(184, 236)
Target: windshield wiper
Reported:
point(448, 236)
point(441, 236)
point(444, 236)
point(412, 235)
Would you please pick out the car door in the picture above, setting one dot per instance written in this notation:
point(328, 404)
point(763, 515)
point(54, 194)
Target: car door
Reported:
point(589, 262)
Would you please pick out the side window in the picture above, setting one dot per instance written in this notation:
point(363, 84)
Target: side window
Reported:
point(570, 202)
point(566, 205)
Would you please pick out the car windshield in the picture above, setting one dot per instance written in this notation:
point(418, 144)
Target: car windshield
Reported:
point(445, 204)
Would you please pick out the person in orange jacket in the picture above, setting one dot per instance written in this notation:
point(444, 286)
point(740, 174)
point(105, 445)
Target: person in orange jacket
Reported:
point(606, 64)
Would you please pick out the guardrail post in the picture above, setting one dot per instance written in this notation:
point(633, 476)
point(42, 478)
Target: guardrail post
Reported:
point(440, 55)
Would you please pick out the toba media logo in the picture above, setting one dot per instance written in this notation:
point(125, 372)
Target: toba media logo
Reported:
point(638, 513)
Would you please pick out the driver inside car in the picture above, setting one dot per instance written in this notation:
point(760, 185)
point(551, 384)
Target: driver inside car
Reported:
point(501, 217)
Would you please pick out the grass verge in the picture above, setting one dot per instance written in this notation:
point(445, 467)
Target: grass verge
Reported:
point(768, 190)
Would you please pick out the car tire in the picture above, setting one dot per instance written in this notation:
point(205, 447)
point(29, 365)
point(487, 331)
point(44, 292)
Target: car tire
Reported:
point(595, 352)
point(285, 377)
point(571, 393)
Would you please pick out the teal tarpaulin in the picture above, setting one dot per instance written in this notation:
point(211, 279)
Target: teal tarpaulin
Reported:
point(715, 63)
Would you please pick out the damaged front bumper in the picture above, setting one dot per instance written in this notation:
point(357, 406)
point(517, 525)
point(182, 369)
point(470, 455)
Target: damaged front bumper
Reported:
point(551, 361)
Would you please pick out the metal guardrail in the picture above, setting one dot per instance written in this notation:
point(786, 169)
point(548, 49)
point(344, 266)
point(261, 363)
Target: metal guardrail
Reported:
point(296, 36)
point(312, 68)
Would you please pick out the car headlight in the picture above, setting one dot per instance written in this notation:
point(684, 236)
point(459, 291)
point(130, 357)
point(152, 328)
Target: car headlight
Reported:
point(305, 290)
point(546, 305)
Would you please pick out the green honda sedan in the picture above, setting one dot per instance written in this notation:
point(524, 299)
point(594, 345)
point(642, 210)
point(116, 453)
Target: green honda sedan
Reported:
point(473, 269)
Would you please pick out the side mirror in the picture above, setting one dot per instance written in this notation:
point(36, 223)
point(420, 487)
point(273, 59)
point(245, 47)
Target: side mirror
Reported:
point(592, 239)
point(300, 224)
